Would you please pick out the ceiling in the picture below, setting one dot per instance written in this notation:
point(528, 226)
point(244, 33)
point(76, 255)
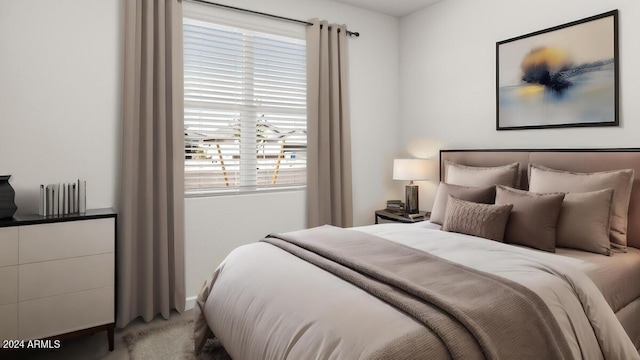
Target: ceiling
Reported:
point(397, 8)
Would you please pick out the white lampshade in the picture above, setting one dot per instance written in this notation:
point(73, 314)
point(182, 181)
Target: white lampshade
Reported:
point(411, 169)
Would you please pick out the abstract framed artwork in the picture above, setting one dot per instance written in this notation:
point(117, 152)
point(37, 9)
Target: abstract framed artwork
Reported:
point(564, 76)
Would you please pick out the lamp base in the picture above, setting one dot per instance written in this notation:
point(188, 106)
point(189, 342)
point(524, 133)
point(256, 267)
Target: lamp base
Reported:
point(411, 199)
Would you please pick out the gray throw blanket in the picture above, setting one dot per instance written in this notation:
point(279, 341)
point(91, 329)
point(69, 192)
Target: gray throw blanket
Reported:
point(470, 314)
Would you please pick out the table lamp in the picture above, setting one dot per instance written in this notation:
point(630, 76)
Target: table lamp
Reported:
point(411, 169)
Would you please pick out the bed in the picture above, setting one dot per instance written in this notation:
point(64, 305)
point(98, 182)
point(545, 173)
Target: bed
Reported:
point(368, 293)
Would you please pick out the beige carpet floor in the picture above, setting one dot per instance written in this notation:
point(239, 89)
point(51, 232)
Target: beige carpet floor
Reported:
point(172, 340)
point(95, 346)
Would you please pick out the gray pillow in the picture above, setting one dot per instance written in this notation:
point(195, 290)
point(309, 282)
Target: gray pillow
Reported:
point(545, 180)
point(485, 195)
point(475, 176)
point(482, 220)
point(584, 221)
point(533, 219)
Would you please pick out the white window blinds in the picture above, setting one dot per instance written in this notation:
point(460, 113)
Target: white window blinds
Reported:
point(244, 109)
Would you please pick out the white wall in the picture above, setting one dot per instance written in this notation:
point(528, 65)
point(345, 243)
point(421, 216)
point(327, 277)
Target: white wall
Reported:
point(60, 96)
point(448, 75)
point(216, 225)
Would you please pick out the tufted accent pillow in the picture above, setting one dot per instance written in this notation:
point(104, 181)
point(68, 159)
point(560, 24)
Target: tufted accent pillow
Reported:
point(482, 220)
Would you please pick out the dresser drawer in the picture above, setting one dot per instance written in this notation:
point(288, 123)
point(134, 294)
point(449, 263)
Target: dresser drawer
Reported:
point(8, 285)
point(48, 278)
point(9, 246)
point(8, 322)
point(65, 313)
point(66, 240)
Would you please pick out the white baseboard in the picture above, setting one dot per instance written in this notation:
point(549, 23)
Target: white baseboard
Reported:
point(190, 303)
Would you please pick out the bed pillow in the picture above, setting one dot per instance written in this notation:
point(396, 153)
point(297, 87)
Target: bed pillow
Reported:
point(533, 219)
point(543, 179)
point(584, 221)
point(485, 195)
point(482, 220)
point(464, 175)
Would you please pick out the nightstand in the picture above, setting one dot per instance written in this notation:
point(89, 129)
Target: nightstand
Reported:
point(395, 217)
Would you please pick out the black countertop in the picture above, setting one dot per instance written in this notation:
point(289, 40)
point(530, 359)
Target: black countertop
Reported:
point(32, 219)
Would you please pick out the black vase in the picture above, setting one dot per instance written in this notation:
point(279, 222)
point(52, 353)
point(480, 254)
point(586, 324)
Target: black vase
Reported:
point(7, 198)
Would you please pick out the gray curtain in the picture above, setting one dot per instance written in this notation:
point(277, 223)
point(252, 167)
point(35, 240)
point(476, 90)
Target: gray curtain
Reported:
point(150, 246)
point(329, 194)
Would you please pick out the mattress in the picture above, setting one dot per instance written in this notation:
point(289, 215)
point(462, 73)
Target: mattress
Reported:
point(616, 276)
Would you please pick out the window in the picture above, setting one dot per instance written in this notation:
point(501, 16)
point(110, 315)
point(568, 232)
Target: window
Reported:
point(244, 109)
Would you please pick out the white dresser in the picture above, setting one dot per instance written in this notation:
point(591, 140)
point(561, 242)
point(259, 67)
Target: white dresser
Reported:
point(57, 276)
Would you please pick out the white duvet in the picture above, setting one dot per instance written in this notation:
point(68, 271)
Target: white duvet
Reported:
point(268, 304)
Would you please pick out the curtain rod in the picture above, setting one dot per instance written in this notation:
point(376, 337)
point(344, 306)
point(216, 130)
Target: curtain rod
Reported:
point(349, 33)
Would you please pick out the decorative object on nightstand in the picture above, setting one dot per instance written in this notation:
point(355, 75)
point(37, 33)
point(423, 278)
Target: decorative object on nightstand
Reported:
point(385, 214)
point(411, 169)
point(7, 198)
point(395, 206)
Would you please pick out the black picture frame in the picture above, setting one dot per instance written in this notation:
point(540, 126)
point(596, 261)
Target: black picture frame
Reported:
point(560, 77)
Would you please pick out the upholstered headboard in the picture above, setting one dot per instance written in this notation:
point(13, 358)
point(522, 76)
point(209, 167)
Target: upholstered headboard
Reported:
point(579, 160)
